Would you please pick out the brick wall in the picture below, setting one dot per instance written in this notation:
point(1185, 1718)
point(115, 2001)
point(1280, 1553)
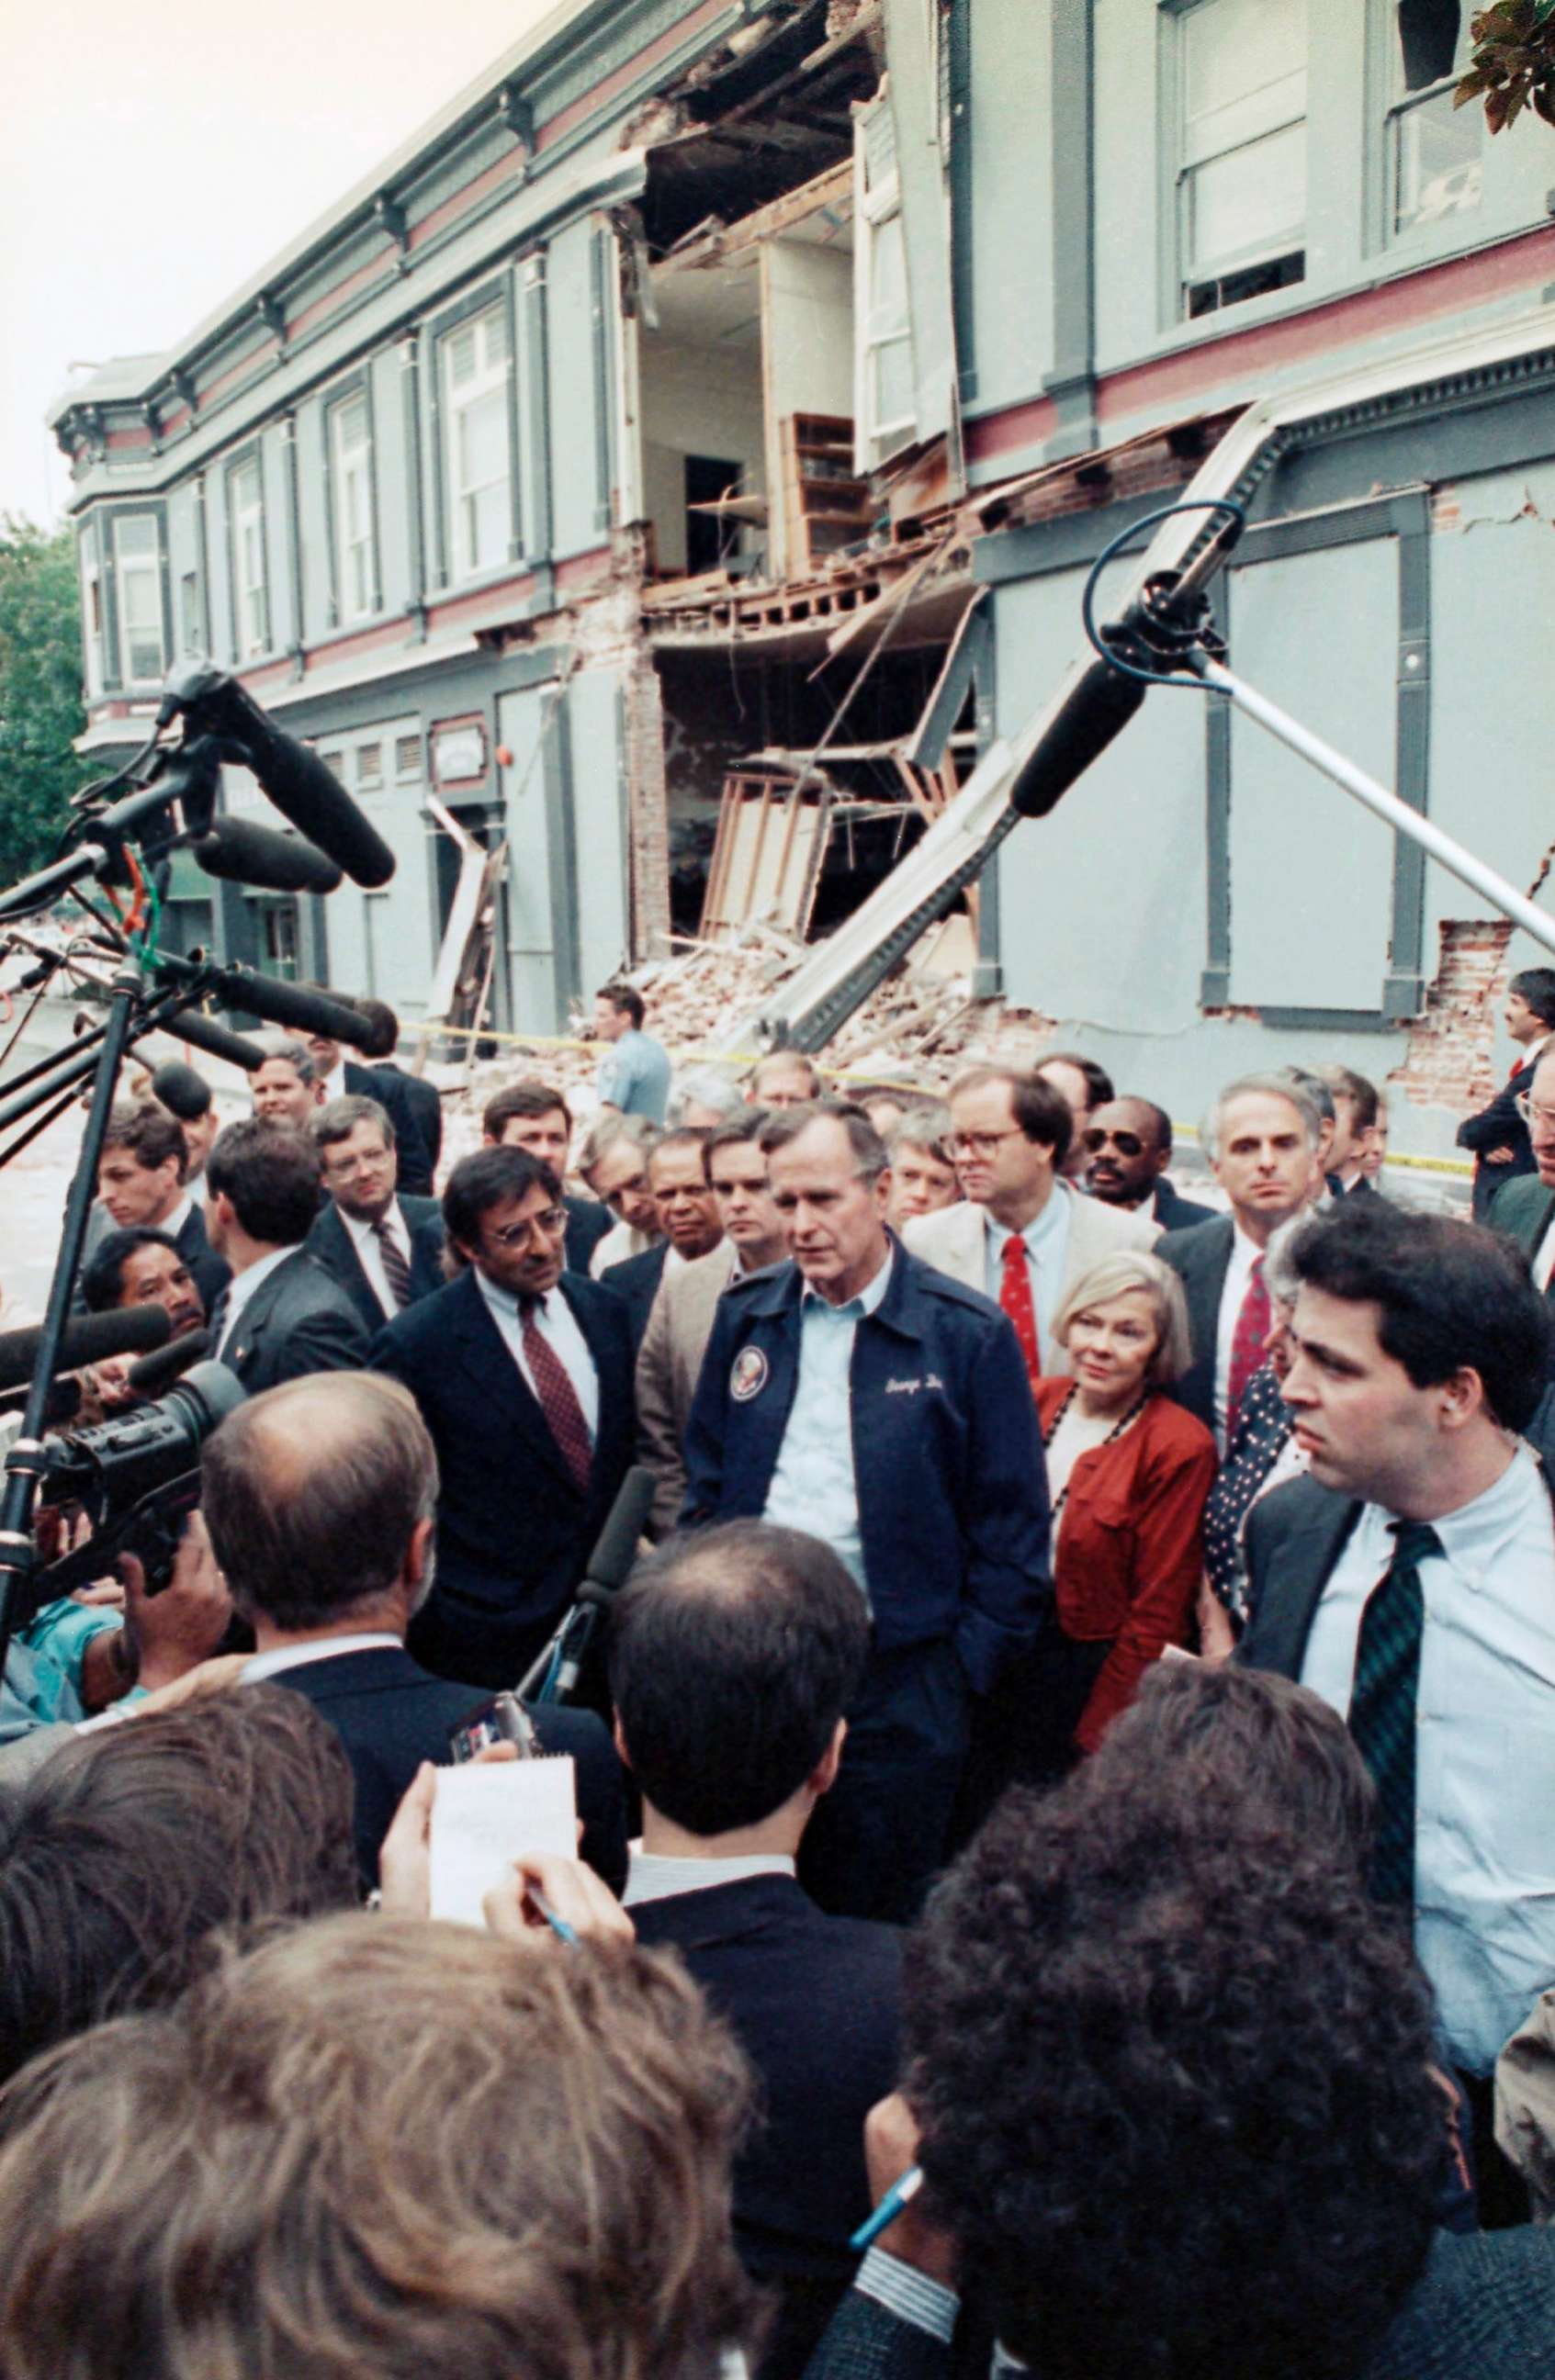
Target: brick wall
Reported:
point(649, 808)
point(1449, 1060)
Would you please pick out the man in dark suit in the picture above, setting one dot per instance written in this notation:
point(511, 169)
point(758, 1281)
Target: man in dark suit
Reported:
point(141, 1179)
point(523, 1374)
point(688, 1217)
point(534, 1115)
point(1128, 1147)
point(1356, 1105)
point(1524, 1207)
point(423, 1098)
point(335, 1076)
point(1498, 1134)
point(733, 1742)
point(860, 1395)
point(320, 1501)
point(1261, 1139)
point(385, 1251)
point(1411, 1578)
point(282, 1314)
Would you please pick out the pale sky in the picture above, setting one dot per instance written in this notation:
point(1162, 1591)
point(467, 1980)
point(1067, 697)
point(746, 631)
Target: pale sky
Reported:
point(154, 157)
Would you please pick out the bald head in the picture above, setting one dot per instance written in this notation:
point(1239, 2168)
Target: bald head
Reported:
point(319, 1498)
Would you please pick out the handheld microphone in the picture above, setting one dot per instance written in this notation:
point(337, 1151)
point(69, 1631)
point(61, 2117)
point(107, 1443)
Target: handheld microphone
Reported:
point(610, 1566)
point(289, 1005)
point(187, 1025)
point(151, 1374)
point(297, 780)
point(240, 853)
point(128, 1331)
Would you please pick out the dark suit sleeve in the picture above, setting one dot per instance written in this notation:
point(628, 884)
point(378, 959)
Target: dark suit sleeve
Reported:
point(330, 1339)
point(704, 1449)
point(1496, 1126)
point(866, 2341)
point(1007, 1525)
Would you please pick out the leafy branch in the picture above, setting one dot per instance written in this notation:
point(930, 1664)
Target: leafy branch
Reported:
point(1512, 65)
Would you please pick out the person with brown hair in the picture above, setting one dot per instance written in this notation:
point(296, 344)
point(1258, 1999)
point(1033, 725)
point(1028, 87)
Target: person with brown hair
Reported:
point(533, 1114)
point(378, 2149)
point(142, 1180)
point(127, 1849)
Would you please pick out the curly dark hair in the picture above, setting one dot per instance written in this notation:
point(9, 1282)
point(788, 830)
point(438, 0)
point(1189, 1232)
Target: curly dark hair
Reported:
point(1173, 2081)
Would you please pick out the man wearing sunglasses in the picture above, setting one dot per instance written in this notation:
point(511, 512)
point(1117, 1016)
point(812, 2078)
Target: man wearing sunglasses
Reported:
point(1128, 1147)
point(523, 1374)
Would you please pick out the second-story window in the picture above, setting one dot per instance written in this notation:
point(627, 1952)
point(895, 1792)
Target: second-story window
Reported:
point(91, 609)
point(137, 564)
point(250, 592)
point(1241, 163)
point(475, 386)
point(1435, 151)
point(885, 400)
point(356, 570)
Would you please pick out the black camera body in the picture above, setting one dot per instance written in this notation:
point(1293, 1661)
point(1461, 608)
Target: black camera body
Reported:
point(136, 1477)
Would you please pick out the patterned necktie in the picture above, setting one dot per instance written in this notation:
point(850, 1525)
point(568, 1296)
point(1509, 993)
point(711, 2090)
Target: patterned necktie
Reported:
point(1382, 1704)
point(397, 1272)
point(558, 1398)
point(1014, 1296)
point(217, 1322)
point(1246, 1344)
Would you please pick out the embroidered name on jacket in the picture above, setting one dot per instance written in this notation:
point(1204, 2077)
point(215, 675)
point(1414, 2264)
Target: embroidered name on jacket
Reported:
point(911, 1387)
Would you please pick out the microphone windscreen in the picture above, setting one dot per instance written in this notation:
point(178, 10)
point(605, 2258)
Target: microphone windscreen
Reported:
point(294, 1007)
point(181, 1090)
point(187, 1025)
point(1097, 706)
point(89, 1339)
point(610, 1562)
point(297, 780)
point(151, 1374)
point(241, 853)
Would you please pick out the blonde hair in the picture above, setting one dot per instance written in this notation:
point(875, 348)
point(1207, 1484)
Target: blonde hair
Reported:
point(1115, 1276)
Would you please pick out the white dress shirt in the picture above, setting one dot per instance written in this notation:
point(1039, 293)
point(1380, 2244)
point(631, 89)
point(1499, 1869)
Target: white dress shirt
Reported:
point(369, 1251)
point(241, 1288)
point(1046, 1240)
point(652, 1876)
point(815, 1483)
point(1485, 1747)
point(179, 1218)
point(1244, 1253)
point(334, 1082)
point(281, 1657)
point(559, 1325)
point(1544, 1258)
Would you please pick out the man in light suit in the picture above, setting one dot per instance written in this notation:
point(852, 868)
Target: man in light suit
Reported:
point(282, 1314)
point(670, 1359)
point(1024, 1236)
point(1261, 1139)
point(687, 1217)
point(384, 1250)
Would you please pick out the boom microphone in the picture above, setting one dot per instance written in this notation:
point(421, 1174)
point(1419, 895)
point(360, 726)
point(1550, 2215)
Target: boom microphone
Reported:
point(240, 853)
point(1097, 706)
point(289, 1005)
point(187, 1025)
point(151, 1374)
point(297, 780)
point(128, 1331)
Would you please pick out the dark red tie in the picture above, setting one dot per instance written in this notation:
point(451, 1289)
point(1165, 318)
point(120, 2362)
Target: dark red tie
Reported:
point(1014, 1296)
point(1246, 1344)
point(397, 1272)
point(558, 1398)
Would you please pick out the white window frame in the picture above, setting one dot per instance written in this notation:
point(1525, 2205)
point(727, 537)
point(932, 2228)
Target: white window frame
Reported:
point(356, 529)
point(489, 379)
point(91, 611)
point(1401, 103)
point(251, 588)
point(1194, 152)
point(146, 570)
point(877, 204)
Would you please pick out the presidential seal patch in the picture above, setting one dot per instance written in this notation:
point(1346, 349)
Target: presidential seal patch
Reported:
point(748, 1377)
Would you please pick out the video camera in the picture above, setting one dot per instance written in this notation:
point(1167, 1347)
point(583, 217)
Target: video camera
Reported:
point(137, 1480)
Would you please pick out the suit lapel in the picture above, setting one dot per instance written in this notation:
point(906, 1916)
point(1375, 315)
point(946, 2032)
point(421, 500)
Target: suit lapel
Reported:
point(483, 1352)
point(254, 1320)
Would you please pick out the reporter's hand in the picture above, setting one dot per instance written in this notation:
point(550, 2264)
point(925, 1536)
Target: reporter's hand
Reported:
point(179, 1628)
point(572, 1892)
point(405, 1856)
point(1498, 1156)
point(891, 2144)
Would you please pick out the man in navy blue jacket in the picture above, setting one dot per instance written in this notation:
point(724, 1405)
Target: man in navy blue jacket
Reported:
point(859, 1395)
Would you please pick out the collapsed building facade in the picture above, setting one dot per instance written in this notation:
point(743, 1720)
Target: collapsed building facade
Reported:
point(654, 488)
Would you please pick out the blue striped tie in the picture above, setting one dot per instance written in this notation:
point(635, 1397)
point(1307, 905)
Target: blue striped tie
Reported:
point(1382, 1704)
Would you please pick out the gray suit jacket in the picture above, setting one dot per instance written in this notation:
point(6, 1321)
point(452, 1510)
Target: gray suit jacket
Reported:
point(298, 1320)
point(669, 1364)
point(953, 1242)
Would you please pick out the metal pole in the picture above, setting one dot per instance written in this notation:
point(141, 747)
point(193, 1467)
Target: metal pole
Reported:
point(1461, 864)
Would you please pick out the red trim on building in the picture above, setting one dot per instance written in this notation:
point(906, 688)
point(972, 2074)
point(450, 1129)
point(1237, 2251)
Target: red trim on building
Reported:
point(135, 438)
point(506, 169)
point(251, 367)
point(579, 569)
point(268, 674)
point(377, 268)
point(460, 718)
point(175, 421)
point(1434, 289)
point(346, 648)
point(458, 607)
point(624, 76)
point(1008, 433)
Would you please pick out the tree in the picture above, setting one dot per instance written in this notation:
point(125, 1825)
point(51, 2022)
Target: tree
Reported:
point(40, 709)
point(1514, 62)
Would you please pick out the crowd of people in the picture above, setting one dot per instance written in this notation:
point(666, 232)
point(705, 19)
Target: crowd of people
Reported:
point(1071, 1767)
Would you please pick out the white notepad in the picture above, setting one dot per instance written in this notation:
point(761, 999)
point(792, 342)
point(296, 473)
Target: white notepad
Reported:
point(484, 1815)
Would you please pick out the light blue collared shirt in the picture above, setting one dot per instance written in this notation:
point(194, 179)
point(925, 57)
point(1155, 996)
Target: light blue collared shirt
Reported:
point(634, 1077)
point(814, 1484)
point(1047, 1248)
point(1485, 1747)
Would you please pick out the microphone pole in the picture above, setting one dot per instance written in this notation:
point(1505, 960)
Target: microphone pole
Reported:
point(24, 1462)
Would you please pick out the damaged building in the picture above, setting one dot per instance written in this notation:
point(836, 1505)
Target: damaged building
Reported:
point(655, 488)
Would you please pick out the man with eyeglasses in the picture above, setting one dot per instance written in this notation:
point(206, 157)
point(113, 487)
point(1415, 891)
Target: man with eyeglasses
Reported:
point(523, 1375)
point(1524, 1208)
point(385, 1251)
point(1498, 1134)
point(1024, 1235)
point(1128, 1147)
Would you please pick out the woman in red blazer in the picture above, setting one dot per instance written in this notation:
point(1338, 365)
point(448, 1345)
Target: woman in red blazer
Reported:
point(1128, 1473)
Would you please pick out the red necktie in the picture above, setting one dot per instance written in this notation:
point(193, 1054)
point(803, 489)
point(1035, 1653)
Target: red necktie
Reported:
point(557, 1397)
point(1014, 1296)
point(1246, 1344)
point(397, 1272)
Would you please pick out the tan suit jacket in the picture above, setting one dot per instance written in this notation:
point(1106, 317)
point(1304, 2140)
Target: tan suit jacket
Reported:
point(954, 1241)
point(668, 1362)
